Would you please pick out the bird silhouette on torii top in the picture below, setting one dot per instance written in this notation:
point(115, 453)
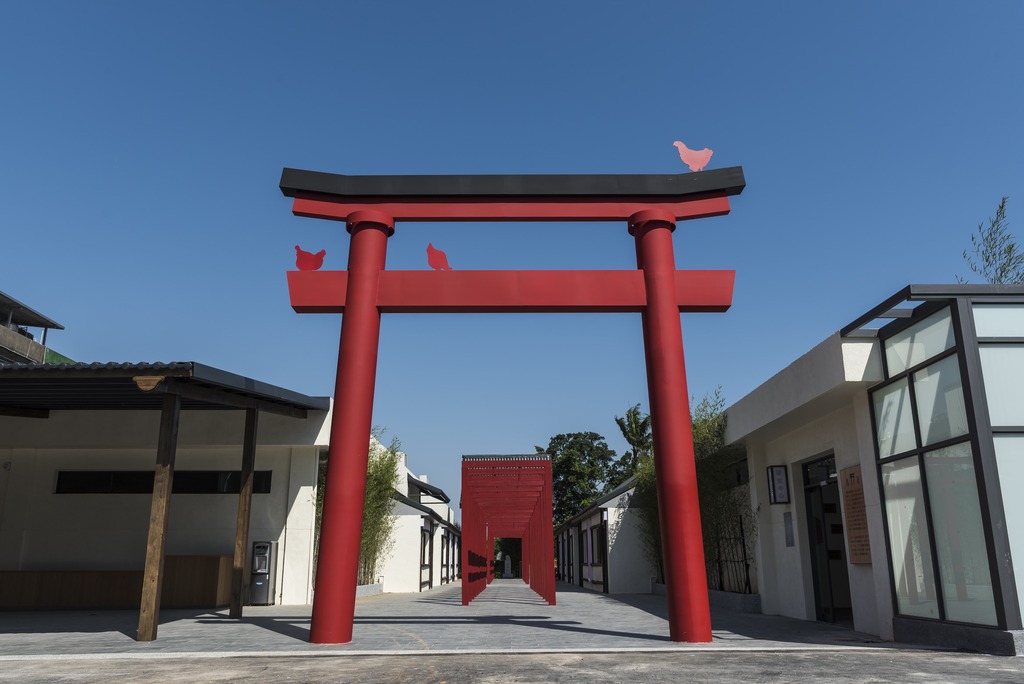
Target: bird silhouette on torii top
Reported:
point(696, 160)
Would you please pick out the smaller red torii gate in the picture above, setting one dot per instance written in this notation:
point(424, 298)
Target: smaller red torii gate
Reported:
point(650, 205)
point(509, 497)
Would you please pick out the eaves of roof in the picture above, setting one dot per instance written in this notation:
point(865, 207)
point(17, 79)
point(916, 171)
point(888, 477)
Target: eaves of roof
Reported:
point(398, 496)
point(113, 386)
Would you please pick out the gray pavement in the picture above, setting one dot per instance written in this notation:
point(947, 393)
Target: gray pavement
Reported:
point(508, 618)
point(508, 634)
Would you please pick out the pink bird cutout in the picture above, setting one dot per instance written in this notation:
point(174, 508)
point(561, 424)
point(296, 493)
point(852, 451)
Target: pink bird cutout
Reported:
point(305, 261)
point(437, 259)
point(695, 159)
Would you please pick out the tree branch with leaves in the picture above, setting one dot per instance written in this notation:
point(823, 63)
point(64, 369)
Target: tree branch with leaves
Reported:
point(995, 255)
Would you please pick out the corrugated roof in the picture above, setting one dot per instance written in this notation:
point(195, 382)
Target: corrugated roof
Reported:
point(110, 386)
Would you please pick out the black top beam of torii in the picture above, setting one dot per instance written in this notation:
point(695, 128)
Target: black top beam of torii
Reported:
point(717, 182)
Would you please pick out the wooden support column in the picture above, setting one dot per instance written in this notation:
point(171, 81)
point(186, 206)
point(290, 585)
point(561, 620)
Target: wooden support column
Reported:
point(163, 478)
point(244, 511)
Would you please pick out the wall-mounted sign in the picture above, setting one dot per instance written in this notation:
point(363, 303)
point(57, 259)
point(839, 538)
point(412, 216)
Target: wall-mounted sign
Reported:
point(858, 543)
point(778, 485)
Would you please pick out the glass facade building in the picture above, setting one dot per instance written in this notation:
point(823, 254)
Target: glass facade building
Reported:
point(948, 428)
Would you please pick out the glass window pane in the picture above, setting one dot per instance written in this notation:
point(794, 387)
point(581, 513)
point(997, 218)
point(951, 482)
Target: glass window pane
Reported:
point(959, 535)
point(1002, 366)
point(940, 401)
point(1010, 463)
point(919, 342)
point(999, 320)
point(908, 539)
point(894, 420)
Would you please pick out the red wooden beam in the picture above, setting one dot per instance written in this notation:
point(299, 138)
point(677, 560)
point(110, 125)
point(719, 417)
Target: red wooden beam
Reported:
point(449, 210)
point(510, 291)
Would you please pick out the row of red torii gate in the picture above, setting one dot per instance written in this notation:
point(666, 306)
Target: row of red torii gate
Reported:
point(370, 207)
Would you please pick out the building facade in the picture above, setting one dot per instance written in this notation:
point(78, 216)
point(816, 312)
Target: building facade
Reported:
point(76, 491)
point(425, 544)
point(883, 465)
point(601, 549)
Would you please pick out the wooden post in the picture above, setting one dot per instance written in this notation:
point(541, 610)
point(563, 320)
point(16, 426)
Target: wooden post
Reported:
point(244, 510)
point(163, 478)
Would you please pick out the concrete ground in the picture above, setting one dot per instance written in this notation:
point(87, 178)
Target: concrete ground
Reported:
point(507, 634)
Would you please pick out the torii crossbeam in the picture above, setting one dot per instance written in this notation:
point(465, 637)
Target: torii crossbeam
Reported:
point(371, 205)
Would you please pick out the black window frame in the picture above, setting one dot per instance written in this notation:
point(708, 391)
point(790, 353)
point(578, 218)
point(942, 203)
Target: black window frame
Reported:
point(979, 437)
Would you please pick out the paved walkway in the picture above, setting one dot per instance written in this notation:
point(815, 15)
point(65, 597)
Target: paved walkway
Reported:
point(506, 618)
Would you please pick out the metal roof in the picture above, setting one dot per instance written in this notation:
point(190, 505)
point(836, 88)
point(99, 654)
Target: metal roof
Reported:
point(402, 498)
point(30, 387)
point(891, 308)
point(433, 490)
point(24, 315)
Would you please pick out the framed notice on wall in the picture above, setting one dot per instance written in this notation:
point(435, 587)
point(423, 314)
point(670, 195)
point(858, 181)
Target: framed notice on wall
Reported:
point(858, 542)
point(778, 485)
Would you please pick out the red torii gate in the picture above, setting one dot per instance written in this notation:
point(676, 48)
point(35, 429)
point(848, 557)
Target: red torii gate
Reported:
point(507, 496)
point(370, 206)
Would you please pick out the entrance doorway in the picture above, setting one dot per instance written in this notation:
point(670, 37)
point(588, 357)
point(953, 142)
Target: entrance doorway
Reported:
point(828, 543)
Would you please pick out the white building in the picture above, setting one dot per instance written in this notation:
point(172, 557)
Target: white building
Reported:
point(78, 445)
point(884, 465)
point(425, 544)
point(602, 548)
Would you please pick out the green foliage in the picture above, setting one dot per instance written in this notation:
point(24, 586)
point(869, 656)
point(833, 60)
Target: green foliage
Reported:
point(636, 430)
point(378, 517)
point(728, 523)
point(996, 256)
point(579, 470)
point(378, 506)
point(507, 547)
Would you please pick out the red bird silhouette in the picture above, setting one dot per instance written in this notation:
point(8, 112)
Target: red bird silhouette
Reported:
point(695, 159)
point(437, 259)
point(305, 261)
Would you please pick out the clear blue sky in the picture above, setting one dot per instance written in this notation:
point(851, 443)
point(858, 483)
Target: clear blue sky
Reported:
point(141, 146)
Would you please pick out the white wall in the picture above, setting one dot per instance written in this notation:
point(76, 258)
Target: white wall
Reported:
point(43, 530)
point(400, 567)
point(785, 573)
point(629, 572)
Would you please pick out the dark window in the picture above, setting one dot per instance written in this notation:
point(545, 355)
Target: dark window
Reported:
point(141, 482)
point(597, 544)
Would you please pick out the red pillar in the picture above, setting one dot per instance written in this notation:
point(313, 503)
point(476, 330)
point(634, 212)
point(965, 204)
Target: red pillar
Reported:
point(548, 534)
point(341, 527)
point(678, 507)
point(525, 561)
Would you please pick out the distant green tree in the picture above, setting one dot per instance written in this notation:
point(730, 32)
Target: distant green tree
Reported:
point(996, 256)
point(507, 546)
point(579, 470)
point(636, 430)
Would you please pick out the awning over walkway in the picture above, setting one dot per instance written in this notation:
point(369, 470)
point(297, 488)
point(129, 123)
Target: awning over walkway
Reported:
point(33, 390)
point(26, 388)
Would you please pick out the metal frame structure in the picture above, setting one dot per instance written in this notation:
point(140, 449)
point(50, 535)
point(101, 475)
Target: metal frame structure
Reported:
point(930, 299)
point(649, 204)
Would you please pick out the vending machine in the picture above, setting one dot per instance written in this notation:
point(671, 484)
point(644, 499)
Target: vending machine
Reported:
point(263, 577)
